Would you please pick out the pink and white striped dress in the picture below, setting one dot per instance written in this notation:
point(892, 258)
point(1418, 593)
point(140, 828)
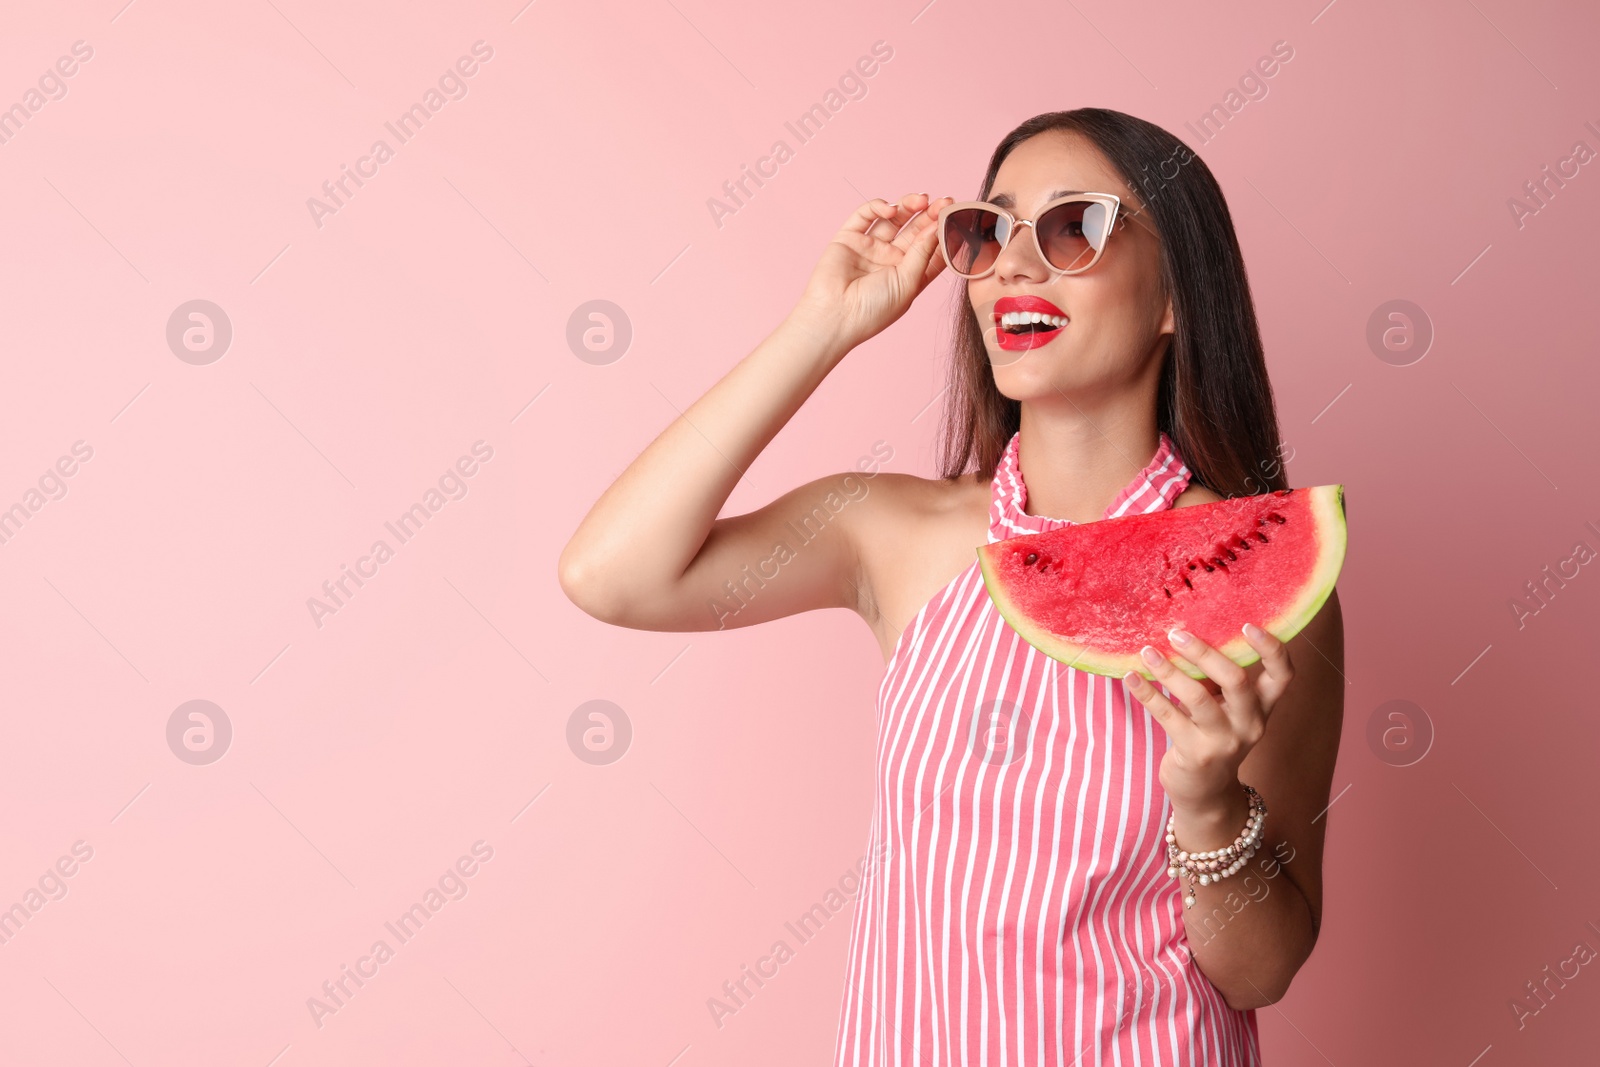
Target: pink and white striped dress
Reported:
point(1022, 913)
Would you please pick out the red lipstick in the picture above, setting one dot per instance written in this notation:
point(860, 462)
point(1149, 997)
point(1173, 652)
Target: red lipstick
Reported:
point(1019, 337)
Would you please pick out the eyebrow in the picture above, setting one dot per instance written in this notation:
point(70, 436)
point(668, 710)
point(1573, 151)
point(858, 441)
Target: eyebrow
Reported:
point(1007, 201)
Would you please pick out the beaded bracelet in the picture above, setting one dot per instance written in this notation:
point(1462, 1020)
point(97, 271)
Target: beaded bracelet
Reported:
point(1217, 864)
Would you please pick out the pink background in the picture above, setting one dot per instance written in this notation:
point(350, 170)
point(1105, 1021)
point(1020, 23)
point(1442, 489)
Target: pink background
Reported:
point(430, 312)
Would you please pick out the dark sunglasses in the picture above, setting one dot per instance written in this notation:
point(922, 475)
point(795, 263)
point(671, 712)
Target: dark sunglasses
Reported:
point(1070, 234)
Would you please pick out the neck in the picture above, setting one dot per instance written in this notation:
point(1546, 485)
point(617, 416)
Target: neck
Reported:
point(1075, 461)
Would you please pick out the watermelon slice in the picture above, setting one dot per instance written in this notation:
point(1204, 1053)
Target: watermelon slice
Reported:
point(1091, 595)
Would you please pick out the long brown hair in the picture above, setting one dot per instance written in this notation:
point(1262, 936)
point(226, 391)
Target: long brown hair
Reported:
point(1214, 398)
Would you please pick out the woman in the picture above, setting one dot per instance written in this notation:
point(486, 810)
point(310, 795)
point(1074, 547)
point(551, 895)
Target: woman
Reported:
point(1025, 911)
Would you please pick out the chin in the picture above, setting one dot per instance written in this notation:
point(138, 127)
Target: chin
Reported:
point(1039, 379)
point(1048, 361)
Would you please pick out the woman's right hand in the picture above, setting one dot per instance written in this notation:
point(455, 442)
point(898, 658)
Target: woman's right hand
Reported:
point(875, 266)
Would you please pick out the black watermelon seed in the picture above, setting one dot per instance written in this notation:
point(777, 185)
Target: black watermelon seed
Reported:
point(1031, 557)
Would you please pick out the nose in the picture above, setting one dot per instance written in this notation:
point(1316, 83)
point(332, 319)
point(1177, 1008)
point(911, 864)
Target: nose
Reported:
point(1020, 259)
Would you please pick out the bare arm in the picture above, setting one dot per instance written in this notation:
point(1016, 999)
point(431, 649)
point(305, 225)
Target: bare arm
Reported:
point(1275, 726)
point(660, 515)
point(1252, 932)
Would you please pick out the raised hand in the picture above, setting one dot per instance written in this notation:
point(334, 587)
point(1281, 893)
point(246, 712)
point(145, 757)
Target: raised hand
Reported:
point(883, 256)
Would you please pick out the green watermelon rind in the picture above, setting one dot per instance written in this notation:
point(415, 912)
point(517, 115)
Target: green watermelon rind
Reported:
point(1326, 504)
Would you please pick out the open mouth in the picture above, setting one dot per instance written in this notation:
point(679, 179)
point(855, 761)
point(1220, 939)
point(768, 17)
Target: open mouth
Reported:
point(1020, 322)
point(1024, 322)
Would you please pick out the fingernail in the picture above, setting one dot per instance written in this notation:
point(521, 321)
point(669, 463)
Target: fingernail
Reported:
point(1151, 656)
point(1179, 637)
point(1132, 679)
point(1252, 631)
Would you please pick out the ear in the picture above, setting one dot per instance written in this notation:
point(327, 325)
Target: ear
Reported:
point(1167, 325)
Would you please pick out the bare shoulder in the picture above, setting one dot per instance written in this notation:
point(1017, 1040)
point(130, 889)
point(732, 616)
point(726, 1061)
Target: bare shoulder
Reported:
point(916, 535)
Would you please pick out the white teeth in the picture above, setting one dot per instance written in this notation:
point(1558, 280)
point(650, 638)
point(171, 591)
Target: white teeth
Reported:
point(1022, 318)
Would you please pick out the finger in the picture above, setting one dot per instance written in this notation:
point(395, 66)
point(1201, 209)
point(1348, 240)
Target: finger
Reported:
point(884, 250)
point(895, 218)
point(1233, 679)
point(925, 247)
point(867, 215)
point(915, 251)
point(1276, 668)
point(914, 227)
point(1240, 703)
point(923, 223)
point(917, 245)
point(859, 243)
point(1179, 727)
point(1202, 706)
point(883, 230)
point(936, 264)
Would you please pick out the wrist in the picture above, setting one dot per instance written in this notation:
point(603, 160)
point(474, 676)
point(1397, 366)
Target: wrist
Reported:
point(817, 331)
point(1210, 822)
point(1193, 853)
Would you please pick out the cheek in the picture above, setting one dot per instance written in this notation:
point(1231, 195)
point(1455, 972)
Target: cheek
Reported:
point(981, 298)
point(1127, 307)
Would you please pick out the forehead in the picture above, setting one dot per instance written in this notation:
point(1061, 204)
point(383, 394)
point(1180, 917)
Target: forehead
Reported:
point(1052, 164)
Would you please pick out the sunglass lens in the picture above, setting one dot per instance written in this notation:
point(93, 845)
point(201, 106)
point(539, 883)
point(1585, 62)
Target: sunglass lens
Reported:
point(1073, 233)
point(971, 241)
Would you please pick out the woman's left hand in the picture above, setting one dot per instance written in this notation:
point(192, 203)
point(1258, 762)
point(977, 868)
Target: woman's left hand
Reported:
point(1220, 719)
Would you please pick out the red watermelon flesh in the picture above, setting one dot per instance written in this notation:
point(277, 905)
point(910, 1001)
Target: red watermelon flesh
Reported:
point(1091, 595)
